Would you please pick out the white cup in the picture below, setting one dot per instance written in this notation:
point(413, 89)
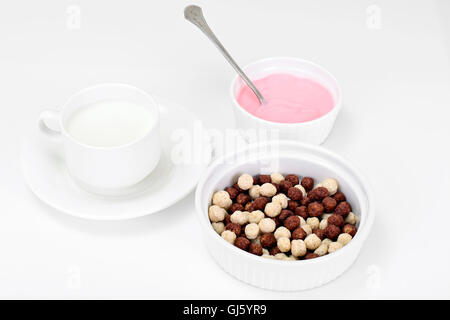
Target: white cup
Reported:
point(102, 169)
point(314, 131)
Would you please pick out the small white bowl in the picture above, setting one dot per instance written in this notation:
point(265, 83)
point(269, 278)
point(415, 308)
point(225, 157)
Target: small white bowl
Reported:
point(285, 157)
point(314, 131)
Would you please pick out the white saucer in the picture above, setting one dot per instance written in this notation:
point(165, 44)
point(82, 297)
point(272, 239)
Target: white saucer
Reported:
point(46, 175)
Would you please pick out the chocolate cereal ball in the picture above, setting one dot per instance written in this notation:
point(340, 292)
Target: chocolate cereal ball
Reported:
point(292, 204)
point(295, 194)
point(320, 233)
point(336, 220)
point(285, 185)
point(298, 233)
point(292, 222)
point(242, 243)
point(329, 204)
point(260, 203)
point(311, 256)
point(236, 207)
point(315, 209)
point(307, 183)
point(268, 240)
point(319, 193)
point(234, 227)
point(285, 214)
point(350, 229)
point(232, 192)
point(339, 197)
point(332, 231)
point(275, 250)
point(343, 209)
point(255, 248)
point(264, 178)
point(243, 198)
point(292, 178)
point(302, 212)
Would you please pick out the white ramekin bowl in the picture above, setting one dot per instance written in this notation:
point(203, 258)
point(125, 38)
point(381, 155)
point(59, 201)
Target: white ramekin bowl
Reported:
point(314, 131)
point(285, 157)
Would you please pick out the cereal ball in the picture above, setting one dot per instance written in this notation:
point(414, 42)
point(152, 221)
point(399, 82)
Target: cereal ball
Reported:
point(302, 221)
point(292, 222)
point(302, 212)
point(350, 229)
point(265, 252)
point(260, 203)
point(291, 258)
point(332, 232)
point(280, 256)
point(315, 209)
point(268, 256)
point(321, 250)
point(276, 178)
point(295, 194)
point(299, 233)
point(242, 243)
point(343, 209)
point(307, 229)
point(298, 248)
point(268, 190)
point(336, 219)
point(292, 205)
point(285, 185)
point(216, 213)
point(218, 227)
point(281, 199)
point(277, 221)
point(282, 232)
point(312, 242)
point(284, 244)
point(257, 240)
point(222, 199)
point(256, 249)
point(334, 246)
point(267, 225)
point(339, 197)
point(234, 227)
point(323, 224)
point(268, 240)
point(285, 214)
point(236, 207)
point(251, 231)
point(229, 236)
point(320, 233)
point(319, 193)
point(243, 198)
point(255, 216)
point(344, 238)
point(305, 201)
point(329, 204)
point(232, 192)
point(326, 241)
point(331, 185)
point(313, 222)
point(240, 217)
point(264, 178)
point(249, 207)
point(292, 178)
point(273, 251)
point(351, 218)
point(307, 183)
point(245, 181)
point(311, 256)
point(300, 187)
point(273, 209)
point(254, 192)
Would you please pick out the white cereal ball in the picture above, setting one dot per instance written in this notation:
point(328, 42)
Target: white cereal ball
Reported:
point(321, 250)
point(268, 256)
point(282, 232)
point(222, 199)
point(239, 217)
point(299, 186)
point(291, 258)
point(267, 190)
point(331, 185)
point(326, 215)
point(280, 256)
point(284, 244)
point(313, 222)
point(344, 238)
point(229, 236)
point(334, 246)
point(266, 225)
point(307, 228)
point(281, 199)
point(219, 227)
point(254, 192)
point(323, 224)
point(298, 248)
point(326, 242)
point(251, 231)
point(245, 181)
point(265, 252)
point(216, 213)
point(312, 241)
point(255, 216)
point(302, 221)
point(272, 209)
point(276, 177)
point(351, 218)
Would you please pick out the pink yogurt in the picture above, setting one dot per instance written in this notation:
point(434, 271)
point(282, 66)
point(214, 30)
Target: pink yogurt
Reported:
point(288, 99)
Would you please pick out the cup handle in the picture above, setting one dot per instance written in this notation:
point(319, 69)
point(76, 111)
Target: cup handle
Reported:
point(49, 123)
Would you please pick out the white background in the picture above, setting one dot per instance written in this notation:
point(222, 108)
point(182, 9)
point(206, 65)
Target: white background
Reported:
point(394, 126)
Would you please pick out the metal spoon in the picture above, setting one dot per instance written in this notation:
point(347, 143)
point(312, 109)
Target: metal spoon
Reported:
point(194, 14)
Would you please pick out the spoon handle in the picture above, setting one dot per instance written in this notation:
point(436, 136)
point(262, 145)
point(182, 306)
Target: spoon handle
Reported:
point(194, 14)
